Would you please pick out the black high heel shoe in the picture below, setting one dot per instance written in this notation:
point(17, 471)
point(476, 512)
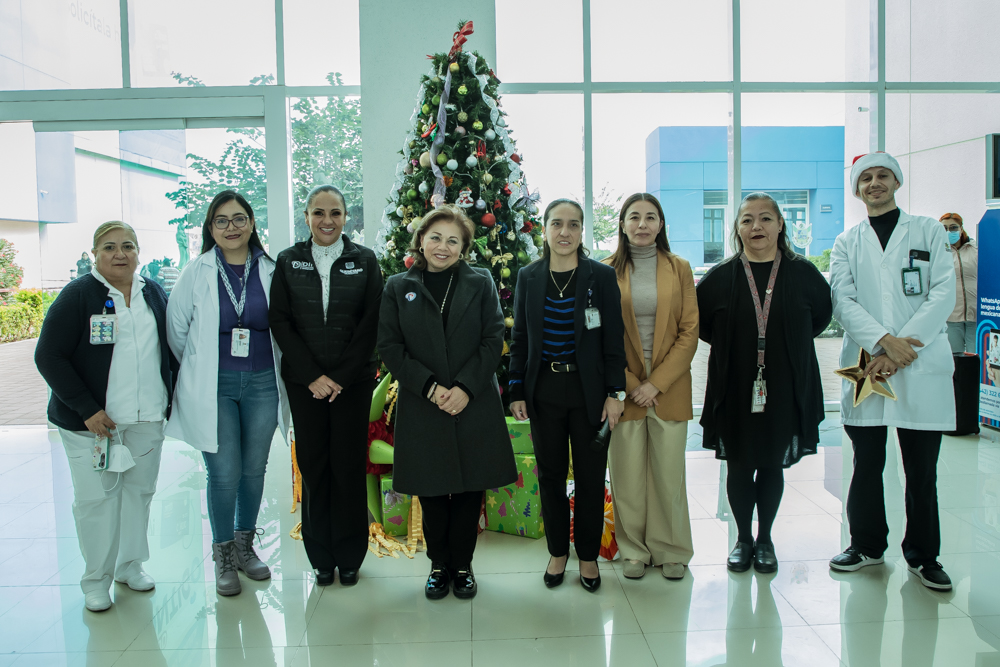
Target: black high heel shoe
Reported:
point(590, 585)
point(553, 580)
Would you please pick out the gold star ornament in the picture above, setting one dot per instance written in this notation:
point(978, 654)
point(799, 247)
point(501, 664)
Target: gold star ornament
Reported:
point(864, 386)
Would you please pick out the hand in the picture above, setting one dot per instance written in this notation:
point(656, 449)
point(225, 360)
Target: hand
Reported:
point(323, 386)
point(880, 367)
point(613, 409)
point(100, 424)
point(452, 400)
point(519, 409)
point(900, 350)
point(645, 395)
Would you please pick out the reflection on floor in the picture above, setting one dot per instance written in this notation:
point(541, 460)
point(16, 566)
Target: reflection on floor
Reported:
point(803, 615)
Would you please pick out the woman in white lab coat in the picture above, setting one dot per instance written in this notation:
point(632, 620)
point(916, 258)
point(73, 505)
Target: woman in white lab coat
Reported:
point(230, 395)
point(893, 283)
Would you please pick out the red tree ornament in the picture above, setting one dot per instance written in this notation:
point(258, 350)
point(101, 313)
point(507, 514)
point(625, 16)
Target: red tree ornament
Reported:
point(408, 262)
point(527, 227)
point(488, 220)
point(515, 158)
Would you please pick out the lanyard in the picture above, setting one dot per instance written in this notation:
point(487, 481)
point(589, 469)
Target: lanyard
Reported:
point(229, 288)
point(761, 312)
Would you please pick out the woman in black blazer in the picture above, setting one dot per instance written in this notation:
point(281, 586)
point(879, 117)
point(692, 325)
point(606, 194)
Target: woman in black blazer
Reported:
point(567, 370)
point(441, 336)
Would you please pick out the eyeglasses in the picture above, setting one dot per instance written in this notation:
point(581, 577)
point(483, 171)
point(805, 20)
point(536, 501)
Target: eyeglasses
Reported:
point(239, 222)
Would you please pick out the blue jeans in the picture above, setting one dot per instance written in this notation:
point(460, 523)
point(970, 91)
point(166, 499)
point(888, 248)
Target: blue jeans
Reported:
point(962, 336)
point(248, 417)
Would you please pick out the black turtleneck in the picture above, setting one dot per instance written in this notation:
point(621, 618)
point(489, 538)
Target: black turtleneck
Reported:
point(884, 224)
point(437, 284)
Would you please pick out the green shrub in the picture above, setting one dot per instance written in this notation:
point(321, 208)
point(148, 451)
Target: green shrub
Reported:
point(32, 297)
point(19, 321)
point(10, 273)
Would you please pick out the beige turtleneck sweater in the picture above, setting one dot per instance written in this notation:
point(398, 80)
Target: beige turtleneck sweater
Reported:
point(643, 280)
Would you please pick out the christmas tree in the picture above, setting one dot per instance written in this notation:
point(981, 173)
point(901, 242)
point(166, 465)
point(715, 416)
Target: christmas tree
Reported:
point(459, 151)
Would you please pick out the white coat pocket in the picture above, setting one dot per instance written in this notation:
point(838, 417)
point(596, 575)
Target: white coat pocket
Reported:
point(935, 358)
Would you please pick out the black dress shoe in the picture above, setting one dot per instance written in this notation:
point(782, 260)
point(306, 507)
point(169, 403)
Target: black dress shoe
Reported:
point(348, 577)
point(740, 557)
point(437, 582)
point(463, 584)
point(764, 560)
point(324, 577)
point(589, 584)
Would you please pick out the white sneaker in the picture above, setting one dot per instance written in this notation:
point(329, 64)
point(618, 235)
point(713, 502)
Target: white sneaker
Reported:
point(98, 600)
point(139, 581)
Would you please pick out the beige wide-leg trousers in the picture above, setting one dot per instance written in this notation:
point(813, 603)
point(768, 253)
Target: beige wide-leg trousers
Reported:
point(648, 489)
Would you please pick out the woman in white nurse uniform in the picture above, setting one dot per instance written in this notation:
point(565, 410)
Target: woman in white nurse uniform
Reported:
point(893, 283)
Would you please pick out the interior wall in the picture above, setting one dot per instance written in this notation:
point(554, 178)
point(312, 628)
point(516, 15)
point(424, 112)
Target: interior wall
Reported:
point(396, 36)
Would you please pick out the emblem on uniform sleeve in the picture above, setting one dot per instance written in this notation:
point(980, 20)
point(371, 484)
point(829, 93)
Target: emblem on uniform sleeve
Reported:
point(410, 296)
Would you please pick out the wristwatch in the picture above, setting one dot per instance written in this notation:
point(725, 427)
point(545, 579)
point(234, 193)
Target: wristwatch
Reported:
point(617, 395)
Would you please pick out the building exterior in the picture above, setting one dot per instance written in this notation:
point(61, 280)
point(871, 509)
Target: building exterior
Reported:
point(802, 167)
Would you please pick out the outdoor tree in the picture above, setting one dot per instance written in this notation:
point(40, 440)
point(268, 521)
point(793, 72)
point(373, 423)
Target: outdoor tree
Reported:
point(326, 148)
point(10, 273)
point(459, 151)
point(606, 206)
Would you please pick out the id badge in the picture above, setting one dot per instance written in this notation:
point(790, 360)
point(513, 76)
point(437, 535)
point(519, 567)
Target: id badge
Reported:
point(100, 453)
point(912, 282)
point(241, 343)
point(592, 318)
point(759, 396)
point(103, 329)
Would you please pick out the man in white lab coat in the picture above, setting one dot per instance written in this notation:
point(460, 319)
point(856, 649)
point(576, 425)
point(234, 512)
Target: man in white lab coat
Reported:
point(893, 283)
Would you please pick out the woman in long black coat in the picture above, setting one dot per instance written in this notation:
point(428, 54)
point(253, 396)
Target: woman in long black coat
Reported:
point(441, 336)
point(759, 444)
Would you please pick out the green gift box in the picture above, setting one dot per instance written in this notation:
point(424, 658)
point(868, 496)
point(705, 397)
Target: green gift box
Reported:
point(395, 508)
point(517, 509)
point(520, 436)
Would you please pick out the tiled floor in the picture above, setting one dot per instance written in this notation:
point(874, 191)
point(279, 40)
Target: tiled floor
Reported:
point(803, 615)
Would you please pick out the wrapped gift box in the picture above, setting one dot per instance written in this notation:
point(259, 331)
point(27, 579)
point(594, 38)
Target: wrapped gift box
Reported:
point(395, 507)
point(520, 436)
point(517, 509)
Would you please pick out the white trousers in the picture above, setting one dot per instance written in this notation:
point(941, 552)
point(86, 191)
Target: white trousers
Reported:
point(112, 509)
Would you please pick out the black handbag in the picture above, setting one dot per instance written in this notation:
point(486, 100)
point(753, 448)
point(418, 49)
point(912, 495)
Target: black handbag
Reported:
point(966, 381)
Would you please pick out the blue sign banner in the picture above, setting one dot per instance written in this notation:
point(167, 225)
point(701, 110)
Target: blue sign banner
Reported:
point(988, 327)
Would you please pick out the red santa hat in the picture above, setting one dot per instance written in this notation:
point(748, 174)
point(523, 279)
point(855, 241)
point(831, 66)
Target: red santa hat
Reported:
point(879, 159)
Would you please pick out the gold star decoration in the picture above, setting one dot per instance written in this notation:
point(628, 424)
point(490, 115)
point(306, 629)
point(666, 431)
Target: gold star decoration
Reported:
point(864, 386)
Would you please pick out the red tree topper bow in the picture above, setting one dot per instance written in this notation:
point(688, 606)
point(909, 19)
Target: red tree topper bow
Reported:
point(459, 39)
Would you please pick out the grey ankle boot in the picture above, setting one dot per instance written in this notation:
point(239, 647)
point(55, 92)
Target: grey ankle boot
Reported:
point(246, 557)
point(227, 579)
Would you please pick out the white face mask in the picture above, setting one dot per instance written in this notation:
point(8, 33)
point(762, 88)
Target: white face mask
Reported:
point(119, 457)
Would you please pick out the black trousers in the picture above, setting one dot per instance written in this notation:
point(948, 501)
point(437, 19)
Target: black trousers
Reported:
point(866, 499)
point(330, 446)
point(451, 527)
point(561, 419)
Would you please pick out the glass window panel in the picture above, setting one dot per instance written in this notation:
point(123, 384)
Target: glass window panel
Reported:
point(539, 41)
point(659, 40)
point(326, 149)
point(220, 43)
point(939, 141)
point(661, 144)
point(792, 40)
point(310, 59)
point(548, 130)
point(942, 41)
point(47, 44)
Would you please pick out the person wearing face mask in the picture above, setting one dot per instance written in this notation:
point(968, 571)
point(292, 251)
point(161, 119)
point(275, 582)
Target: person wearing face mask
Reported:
point(646, 457)
point(567, 373)
point(103, 352)
point(893, 283)
point(325, 300)
point(230, 398)
point(441, 334)
point(760, 310)
point(962, 321)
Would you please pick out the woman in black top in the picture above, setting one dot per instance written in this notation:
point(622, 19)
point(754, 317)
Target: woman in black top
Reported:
point(754, 433)
point(567, 373)
point(325, 298)
point(441, 336)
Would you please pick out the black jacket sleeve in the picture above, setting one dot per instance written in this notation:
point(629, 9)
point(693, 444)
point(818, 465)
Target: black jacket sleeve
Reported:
point(296, 358)
point(359, 351)
point(519, 342)
point(819, 298)
point(57, 344)
point(476, 373)
point(411, 373)
point(613, 328)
